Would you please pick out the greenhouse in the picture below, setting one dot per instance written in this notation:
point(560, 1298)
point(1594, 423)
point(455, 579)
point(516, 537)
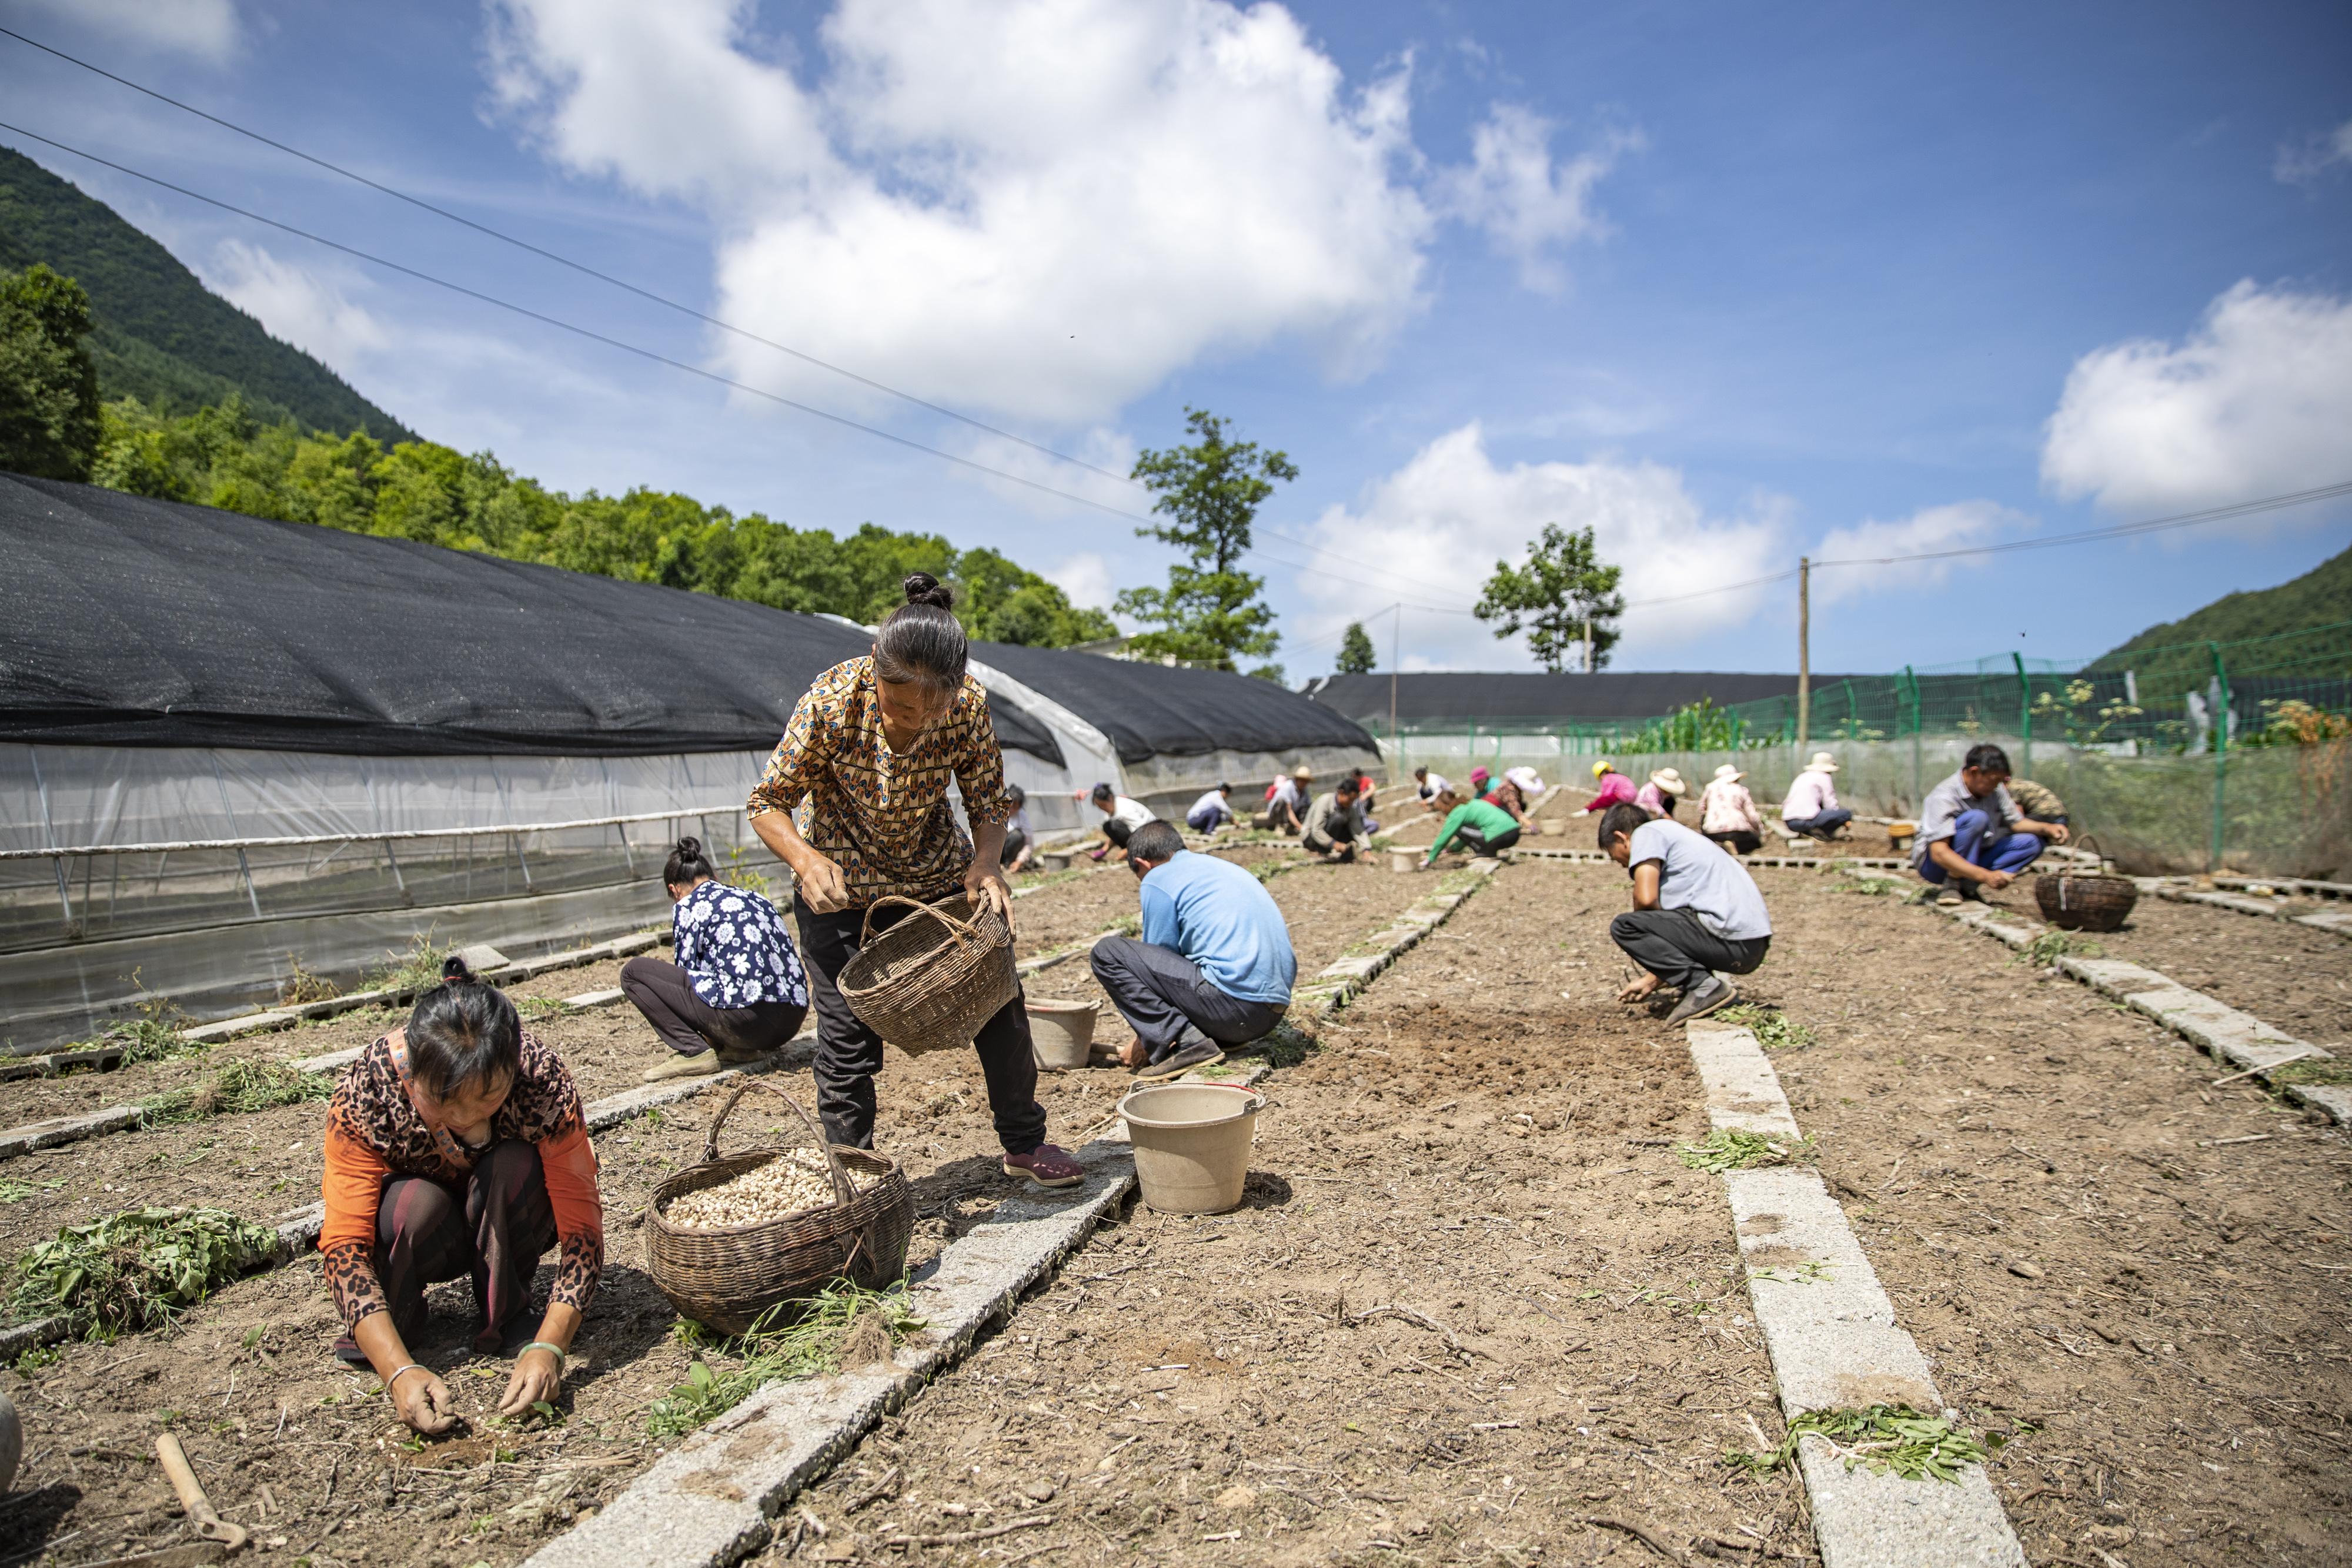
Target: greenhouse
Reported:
point(230, 748)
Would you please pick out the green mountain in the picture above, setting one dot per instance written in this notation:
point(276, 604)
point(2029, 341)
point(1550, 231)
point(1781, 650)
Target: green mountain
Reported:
point(162, 336)
point(2320, 598)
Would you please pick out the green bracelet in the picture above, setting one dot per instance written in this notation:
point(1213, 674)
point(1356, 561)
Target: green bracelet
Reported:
point(542, 1344)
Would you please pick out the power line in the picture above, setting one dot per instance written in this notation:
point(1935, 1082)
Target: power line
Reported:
point(2119, 530)
point(557, 257)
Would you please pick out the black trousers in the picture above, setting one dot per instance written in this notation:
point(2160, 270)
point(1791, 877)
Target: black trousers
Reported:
point(1672, 945)
point(1116, 831)
point(1479, 843)
point(1161, 993)
point(1014, 842)
point(689, 1025)
point(848, 1054)
point(493, 1228)
point(1739, 839)
point(1340, 836)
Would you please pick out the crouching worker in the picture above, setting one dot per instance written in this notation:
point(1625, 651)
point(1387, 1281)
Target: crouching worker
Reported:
point(456, 1149)
point(1213, 810)
point(1972, 834)
point(1121, 817)
point(736, 991)
point(1480, 827)
point(1695, 911)
point(1335, 823)
point(1214, 966)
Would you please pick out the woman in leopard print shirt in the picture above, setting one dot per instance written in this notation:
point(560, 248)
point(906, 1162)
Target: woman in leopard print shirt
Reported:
point(457, 1147)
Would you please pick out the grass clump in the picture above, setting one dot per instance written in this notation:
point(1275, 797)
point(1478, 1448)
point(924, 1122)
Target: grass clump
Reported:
point(538, 1009)
point(301, 986)
point(237, 1089)
point(792, 1339)
point(136, 1269)
point(1737, 1149)
point(2052, 945)
point(1886, 1437)
point(1773, 1030)
point(152, 1032)
point(1868, 886)
point(2313, 1069)
point(412, 969)
point(15, 1191)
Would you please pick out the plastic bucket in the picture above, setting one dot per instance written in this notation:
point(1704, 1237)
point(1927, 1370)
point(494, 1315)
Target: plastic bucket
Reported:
point(1404, 860)
point(1060, 1032)
point(1191, 1143)
point(1553, 830)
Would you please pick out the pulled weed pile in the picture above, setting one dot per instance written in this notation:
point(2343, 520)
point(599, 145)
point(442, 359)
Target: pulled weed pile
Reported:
point(1736, 1149)
point(236, 1090)
point(152, 1032)
point(2313, 1069)
point(413, 970)
point(2052, 945)
point(1773, 1030)
point(136, 1269)
point(1884, 1436)
point(1869, 887)
point(301, 986)
point(812, 1343)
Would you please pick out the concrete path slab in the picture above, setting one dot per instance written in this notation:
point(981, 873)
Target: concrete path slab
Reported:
point(57, 1130)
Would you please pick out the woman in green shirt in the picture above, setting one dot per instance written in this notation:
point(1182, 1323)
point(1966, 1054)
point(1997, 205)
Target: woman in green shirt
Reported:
point(1481, 826)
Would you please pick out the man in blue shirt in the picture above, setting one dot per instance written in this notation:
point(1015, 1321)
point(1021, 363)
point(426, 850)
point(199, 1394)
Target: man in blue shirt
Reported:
point(1215, 966)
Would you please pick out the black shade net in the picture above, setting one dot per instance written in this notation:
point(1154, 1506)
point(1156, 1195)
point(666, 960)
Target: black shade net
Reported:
point(141, 622)
point(1152, 710)
point(1423, 698)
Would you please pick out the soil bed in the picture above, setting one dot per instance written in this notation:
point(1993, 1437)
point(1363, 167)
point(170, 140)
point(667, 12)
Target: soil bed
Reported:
point(2181, 1342)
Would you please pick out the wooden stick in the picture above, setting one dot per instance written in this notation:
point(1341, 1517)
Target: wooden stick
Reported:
point(2265, 1067)
point(961, 1537)
point(1638, 1533)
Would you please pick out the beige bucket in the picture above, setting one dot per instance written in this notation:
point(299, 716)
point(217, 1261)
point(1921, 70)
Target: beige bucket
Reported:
point(1061, 1032)
point(1403, 861)
point(1191, 1143)
point(1553, 830)
point(1053, 859)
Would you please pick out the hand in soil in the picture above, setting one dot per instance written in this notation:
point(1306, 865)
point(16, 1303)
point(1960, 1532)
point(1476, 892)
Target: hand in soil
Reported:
point(538, 1377)
point(425, 1403)
point(1640, 989)
point(1994, 881)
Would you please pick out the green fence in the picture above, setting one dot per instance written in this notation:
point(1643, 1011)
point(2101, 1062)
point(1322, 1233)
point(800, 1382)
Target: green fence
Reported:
point(2181, 758)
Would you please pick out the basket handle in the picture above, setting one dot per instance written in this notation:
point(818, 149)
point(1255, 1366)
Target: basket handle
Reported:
point(841, 1188)
point(2089, 842)
point(962, 930)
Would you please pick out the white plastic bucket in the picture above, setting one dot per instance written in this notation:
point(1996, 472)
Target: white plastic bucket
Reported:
point(1191, 1143)
point(1404, 861)
point(1061, 1032)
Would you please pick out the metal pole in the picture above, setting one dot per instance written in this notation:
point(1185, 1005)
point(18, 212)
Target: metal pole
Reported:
point(1396, 637)
point(1804, 650)
point(1917, 785)
point(2024, 720)
point(2220, 750)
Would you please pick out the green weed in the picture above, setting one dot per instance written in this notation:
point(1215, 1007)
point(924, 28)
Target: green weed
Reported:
point(1885, 1438)
point(15, 1191)
point(411, 970)
point(1736, 1149)
point(152, 1032)
point(1773, 1030)
point(2313, 1069)
point(1868, 886)
point(2052, 945)
point(239, 1088)
point(538, 1009)
point(136, 1270)
point(301, 986)
point(794, 1339)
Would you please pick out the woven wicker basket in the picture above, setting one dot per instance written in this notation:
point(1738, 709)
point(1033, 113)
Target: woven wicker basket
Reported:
point(931, 980)
point(2073, 901)
point(725, 1279)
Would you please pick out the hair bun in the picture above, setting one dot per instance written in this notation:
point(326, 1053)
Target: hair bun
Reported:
point(691, 848)
point(922, 588)
point(453, 967)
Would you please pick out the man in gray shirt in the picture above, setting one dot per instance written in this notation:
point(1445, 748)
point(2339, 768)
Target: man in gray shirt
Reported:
point(1972, 834)
point(1695, 911)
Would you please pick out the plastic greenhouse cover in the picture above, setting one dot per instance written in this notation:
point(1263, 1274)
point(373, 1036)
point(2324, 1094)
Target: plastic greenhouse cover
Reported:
point(142, 622)
point(1152, 710)
point(1467, 698)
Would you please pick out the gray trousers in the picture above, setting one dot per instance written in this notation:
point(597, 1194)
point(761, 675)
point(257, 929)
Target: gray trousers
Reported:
point(1163, 995)
point(1672, 945)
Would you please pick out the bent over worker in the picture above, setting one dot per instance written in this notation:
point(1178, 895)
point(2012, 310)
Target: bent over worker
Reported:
point(1972, 834)
point(1480, 827)
point(1695, 911)
point(855, 802)
point(1215, 966)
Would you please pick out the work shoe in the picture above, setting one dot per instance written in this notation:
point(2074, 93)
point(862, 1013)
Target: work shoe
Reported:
point(1047, 1166)
point(1198, 1052)
point(1947, 897)
point(1702, 999)
point(701, 1065)
point(1972, 892)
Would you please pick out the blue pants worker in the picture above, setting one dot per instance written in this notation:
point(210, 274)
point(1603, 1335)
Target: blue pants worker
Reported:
point(1822, 827)
point(1973, 841)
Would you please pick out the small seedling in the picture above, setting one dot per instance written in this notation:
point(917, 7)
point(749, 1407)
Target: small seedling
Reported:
point(1885, 1438)
point(1737, 1149)
point(1868, 886)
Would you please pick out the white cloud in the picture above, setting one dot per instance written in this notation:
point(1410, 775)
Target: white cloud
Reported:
point(2255, 402)
point(1085, 578)
point(1040, 208)
point(1953, 526)
point(1530, 206)
point(1436, 527)
point(2303, 162)
point(205, 28)
point(1110, 454)
point(296, 305)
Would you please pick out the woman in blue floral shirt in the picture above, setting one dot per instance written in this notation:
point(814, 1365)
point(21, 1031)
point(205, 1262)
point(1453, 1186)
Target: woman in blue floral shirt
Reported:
point(735, 991)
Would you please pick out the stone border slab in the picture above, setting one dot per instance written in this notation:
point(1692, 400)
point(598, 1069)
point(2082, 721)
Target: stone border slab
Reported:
point(1784, 862)
point(710, 1500)
point(2242, 1039)
point(2335, 922)
point(58, 1130)
point(1830, 1331)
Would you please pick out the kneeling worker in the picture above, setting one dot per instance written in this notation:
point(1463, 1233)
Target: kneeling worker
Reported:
point(1333, 822)
point(1972, 834)
point(1213, 810)
point(1695, 911)
point(1214, 966)
point(1481, 826)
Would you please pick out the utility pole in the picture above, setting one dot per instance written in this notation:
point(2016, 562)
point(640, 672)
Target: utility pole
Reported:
point(1804, 651)
point(1587, 645)
point(1396, 636)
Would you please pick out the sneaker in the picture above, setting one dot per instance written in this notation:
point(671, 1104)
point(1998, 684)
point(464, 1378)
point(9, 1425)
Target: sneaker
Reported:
point(701, 1065)
point(1199, 1051)
point(1702, 999)
point(1047, 1166)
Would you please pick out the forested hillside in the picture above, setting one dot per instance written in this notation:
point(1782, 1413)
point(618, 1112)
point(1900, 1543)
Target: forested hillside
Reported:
point(2320, 597)
point(159, 334)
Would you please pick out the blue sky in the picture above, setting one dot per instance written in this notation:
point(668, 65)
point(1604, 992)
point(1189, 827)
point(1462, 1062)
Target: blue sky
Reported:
point(1729, 286)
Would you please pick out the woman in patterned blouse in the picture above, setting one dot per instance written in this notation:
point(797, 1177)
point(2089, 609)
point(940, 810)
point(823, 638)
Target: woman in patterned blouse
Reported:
point(736, 991)
point(855, 800)
point(456, 1148)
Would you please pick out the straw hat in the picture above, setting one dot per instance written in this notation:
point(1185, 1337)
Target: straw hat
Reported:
point(1670, 781)
point(1823, 762)
point(1302, 772)
point(1727, 774)
point(1529, 781)
point(1601, 769)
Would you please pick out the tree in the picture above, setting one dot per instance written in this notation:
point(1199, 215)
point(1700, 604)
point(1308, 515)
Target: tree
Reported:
point(1210, 612)
point(1562, 596)
point(48, 388)
point(1356, 654)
